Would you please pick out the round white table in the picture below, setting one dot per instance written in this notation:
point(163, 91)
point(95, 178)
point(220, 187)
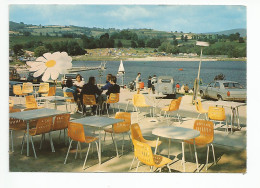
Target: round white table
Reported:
point(177, 133)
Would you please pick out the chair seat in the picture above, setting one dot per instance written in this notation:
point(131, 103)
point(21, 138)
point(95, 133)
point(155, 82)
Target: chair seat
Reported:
point(143, 105)
point(200, 141)
point(14, 128)
point(203, 111)
point(166, 108)
point(160, 161)
point(152, 143)
point(110, 130)
point(89, 139)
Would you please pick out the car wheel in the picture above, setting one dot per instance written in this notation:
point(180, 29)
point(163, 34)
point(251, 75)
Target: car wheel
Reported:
point(202, 95)
point(220, 98)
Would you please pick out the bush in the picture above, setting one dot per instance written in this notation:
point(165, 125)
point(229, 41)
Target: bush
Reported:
point(39, 51)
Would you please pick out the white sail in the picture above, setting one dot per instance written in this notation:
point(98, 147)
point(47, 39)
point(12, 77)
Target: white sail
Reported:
point(121, 68)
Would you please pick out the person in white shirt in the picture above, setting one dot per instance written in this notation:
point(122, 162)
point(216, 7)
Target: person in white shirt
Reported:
point(137, 81)
point(79, 84)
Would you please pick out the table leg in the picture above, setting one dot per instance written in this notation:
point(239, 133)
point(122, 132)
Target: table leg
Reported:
point(196, 157)
point(156, 146)
point(169, 147)
point(99, 147)
point(115, 141)
point(183, 156)
point(238, 123)
point(27, 139)
point(232, 118)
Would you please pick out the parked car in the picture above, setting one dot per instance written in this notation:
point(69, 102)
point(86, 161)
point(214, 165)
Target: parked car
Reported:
point(165, 85)
point(224, 90)
point(34, 80)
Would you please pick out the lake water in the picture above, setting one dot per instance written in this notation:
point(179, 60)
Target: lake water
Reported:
point(233, 70)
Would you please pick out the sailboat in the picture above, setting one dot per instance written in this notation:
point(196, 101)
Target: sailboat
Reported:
point(120, 74)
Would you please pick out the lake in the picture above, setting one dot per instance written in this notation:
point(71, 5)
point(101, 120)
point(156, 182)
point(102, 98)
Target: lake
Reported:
point(233, 70)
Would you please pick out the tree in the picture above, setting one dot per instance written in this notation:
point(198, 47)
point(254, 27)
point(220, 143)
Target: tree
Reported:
point(241, 40)
point(141, 43)
point(39, 51)
point(175, 42)
point(186, 38)
point(119, 44)
point(18, 49)
point(174, 37)
point(182, 37)
point(74, 48)
point(133, 44)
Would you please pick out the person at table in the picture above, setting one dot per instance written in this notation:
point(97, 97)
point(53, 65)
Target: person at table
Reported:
point(107, 85)
point(69, 87)
point(114, 88)
point(90, 89)
point(79, 85)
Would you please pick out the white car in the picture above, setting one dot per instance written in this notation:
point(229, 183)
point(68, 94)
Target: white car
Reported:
point(224, 90)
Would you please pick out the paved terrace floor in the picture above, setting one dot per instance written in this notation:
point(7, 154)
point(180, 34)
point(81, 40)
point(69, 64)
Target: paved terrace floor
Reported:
point(230, 149)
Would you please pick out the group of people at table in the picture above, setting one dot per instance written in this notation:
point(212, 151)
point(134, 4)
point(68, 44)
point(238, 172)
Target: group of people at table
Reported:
point(79, 88)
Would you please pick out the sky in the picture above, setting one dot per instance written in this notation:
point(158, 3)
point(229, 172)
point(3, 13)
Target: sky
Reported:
point(186, 18)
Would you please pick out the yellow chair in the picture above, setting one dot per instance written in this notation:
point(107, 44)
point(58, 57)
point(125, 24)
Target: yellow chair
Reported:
point(200, 109)
point(217, 114)
point(70, 95)
point(76, 133)
point(27, 88)
point(139, 102)
point(52, 91)
point(120, 128)
point(136, 134)
point(17, 90)
point(43, 126)
point(30, 102)
point(206, 137)
point(91, 101)
point(112, 99)
point(44, 88)
point(61, 123)
point(143, 153)
point(173, 107)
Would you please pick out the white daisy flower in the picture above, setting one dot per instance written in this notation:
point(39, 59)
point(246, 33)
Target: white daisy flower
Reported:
point(50, 65)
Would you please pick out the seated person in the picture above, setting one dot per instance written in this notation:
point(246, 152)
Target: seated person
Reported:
point(78, 84)
point(114, 88)
point(69, 87)
point(107, 85)
point(186, 88)
point(90, 89)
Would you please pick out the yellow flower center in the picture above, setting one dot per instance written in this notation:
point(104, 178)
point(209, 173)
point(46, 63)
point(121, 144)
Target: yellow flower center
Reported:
point(50, 63)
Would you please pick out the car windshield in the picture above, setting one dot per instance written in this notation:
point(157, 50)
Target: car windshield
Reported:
point(232, 85)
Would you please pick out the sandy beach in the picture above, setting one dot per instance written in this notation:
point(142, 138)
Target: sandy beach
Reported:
point(171, 59)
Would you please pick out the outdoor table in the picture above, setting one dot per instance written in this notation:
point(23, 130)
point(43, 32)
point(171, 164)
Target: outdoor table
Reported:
point(53, 98)
point(35, 114)
point(153, 98)
point(100, 123)
point(233, 110)
point(177, 133)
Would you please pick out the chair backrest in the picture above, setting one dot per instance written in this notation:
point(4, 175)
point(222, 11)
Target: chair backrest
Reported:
point(17, 90)
point(89, 99)
point(125, 125)
point(174, 105)
point(206, 129)
point(61, 122)
point(30, 102)
point(76, 132)
point(43, 125)
point(216, 113)
point(44, 88)
point(143, 152)
point(52, 91)
point(139, 100)
point(16, 123)
point(136, 132)
point(27, 87)
point(198, 105)
point(179, 99)
point(33, 122)
point(113, 98)
point(69, 94)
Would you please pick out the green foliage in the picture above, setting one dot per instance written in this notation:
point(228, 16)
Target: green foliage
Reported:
point(18, 49)
point(153, 43)
point(39, 51)
point(119, 44)
point(133, 44)
point(141, 43)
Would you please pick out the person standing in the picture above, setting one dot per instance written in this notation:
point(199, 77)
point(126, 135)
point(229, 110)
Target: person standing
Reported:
point(177, 87)
point(186, 88)
point(153, 81)
point(149, 84)
point(137, 82)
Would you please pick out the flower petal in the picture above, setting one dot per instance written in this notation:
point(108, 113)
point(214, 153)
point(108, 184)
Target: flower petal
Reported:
point(35, 68)
point(48, 56)
point(39, 72)
point(46, 75)
point(42, 59)
point(54, 74)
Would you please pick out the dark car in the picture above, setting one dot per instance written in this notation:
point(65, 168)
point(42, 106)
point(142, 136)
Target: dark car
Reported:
point(34, 80)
